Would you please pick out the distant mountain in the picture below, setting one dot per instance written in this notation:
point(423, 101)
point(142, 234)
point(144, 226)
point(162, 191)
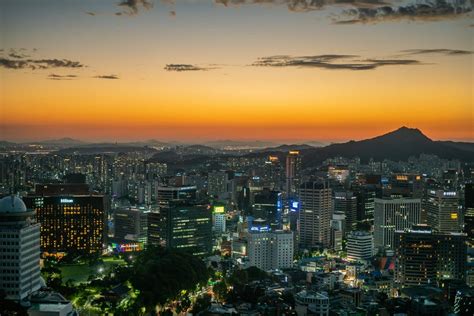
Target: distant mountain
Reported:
point(226, 144)
point(285, 148)
point(396, 145)
point(63, 142)
point(104, 148)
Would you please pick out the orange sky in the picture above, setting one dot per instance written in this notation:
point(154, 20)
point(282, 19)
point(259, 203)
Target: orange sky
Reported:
point(232, 99)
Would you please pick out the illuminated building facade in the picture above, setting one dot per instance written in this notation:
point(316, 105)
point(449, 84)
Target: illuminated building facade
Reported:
point(176, 193)
point(346, 202)
point(270, 250)
point(424, 256)
point(391, 215)
point(469, 211)
point(69, 222)
point(293, 167)
point(218, 219)
point(315, 214)
point(360, 245)
point(19, 249)
point(268, 205)
point(443, 211)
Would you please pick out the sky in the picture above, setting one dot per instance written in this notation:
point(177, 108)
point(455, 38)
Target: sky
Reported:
point(328, 70)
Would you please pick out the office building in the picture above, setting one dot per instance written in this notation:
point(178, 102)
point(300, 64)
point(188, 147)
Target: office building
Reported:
point(337, 230)
point(188, 227)
point(293, 168)
point(130, 224)
point(391, 215)
point(72, 220)
point(218, 219)
point(315, 214)
point(156, 228)
point(360, 246)
point(167, 194)
point(270, 250)
point(443, 211)
point(19, 249)
point(268, 205)
point(346, 202)
point(469, 211)
point(424, 256)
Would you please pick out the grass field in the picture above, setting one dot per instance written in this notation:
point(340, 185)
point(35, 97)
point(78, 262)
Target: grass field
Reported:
point(80, 272)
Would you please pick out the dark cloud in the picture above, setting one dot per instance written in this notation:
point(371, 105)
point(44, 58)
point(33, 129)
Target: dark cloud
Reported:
point(61, 77)
point(186, 67)
point(335, 62)
point(172, 13)
point(303, 5)
point(420, 11)
point(440, 51)
point(107, 77)
point(38, 63)
point(132, 6)
point(90, 13)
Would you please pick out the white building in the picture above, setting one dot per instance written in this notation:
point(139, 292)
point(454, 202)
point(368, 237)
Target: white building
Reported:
point(218, 219)
point(360, 246)
point(314, 303)
point(391, 215)
point(19, 249)
point(270, 250)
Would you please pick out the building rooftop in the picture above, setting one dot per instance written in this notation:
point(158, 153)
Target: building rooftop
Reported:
point(12, 204)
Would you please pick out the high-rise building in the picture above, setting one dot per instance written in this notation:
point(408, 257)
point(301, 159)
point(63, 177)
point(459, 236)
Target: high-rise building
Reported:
point(188, 227)
point(315, 214)
point(218, 219)
point(337, 230)
point(424, 256)
point(270, 250)
point(391, 215)
point(168, 194)
point(293, 167)
point(360, 245)
point(469, 211)
point(156, 228)
point(19, 249)
point(346, 202)
point(443, 211)
point(268, 205)
point(71, 221)
point(130, 224)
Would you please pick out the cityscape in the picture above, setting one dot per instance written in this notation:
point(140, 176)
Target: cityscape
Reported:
point(236, 157)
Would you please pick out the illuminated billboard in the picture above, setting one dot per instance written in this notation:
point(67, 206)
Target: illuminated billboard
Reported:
point(219, 209)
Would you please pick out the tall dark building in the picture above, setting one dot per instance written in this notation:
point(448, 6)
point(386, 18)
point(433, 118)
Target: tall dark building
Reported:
point(469, 211)
point(293, 167)
point(72, 219)
point(268, 205)
point(187, 227)
point(346, 202)
point(424, 256)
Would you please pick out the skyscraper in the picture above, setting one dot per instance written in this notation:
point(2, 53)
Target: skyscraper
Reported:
point(188, 227)
point(443, 212)
point(424, 256)
point(293, 167)
point(130, 224)
point(19, 249)
point(391, 215)
point(346, 202)
point(469, 211)
point(315, 214)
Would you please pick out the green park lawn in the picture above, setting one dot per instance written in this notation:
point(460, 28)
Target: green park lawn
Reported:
point(80, 272)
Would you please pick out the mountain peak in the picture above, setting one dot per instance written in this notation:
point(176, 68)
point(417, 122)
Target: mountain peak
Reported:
point(405, 133)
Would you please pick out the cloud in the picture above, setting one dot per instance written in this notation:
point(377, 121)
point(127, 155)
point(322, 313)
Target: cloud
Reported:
point(186, 67)
point(18, 55)
point(333, 62)
point(90, 13)
point(172, 13)
point(441, 51)
point(113, 77)
point(132, 6)
point(38, 63)
point(421, 11)
point(61, 77)
point(303, 5)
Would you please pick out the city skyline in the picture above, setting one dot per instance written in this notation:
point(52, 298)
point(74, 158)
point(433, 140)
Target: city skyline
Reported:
point(241, 70)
